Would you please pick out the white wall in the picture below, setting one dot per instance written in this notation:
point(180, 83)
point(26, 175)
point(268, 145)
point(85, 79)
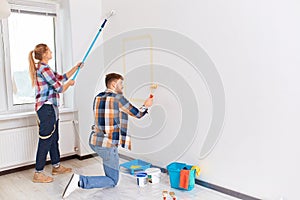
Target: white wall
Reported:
point(254, 46)
point(86, 18)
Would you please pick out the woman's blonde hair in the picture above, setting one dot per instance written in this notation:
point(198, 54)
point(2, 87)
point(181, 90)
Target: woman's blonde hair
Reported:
point(38, 52)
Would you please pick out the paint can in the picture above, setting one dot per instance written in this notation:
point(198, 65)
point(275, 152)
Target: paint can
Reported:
point(141, 179)
point(153, 175)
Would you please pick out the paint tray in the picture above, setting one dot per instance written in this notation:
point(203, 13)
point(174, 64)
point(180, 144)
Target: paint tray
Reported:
point(135, 165)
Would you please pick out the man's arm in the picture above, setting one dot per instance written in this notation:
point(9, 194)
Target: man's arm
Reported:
point(131, 110)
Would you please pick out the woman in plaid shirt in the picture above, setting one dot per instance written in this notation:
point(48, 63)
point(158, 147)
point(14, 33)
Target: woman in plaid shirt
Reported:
point(111, 110)
point(47, 85)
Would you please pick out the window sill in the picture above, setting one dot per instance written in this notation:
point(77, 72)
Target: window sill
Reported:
point(17, 115)
point(29, 118)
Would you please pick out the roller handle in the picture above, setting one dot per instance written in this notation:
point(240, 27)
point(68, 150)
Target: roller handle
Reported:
point(90, 48)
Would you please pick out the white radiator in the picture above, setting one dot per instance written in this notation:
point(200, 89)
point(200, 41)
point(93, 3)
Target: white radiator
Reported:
point(18, 146)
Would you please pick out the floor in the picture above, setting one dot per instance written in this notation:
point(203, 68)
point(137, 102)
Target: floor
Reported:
point(19, 186)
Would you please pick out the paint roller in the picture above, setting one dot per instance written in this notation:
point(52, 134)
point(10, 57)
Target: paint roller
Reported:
point(110, 14)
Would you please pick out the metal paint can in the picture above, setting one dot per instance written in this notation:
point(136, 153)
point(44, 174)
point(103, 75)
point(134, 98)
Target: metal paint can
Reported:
point(141, 179)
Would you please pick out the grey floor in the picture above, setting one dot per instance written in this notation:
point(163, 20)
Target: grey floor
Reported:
point(19, 185)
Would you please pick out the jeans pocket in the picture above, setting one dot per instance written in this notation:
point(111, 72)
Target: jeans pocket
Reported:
point(50, 111)
point(46, 114)
point(46, 121)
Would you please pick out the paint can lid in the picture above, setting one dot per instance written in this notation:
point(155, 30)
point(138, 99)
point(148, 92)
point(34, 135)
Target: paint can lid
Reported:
point(152, 171)
point(142, 174)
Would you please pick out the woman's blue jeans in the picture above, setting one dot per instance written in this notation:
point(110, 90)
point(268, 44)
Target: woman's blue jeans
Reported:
point(110, 159)
point(48, 137)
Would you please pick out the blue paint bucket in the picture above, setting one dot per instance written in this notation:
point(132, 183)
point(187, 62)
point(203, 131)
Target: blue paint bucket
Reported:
point(141, 179)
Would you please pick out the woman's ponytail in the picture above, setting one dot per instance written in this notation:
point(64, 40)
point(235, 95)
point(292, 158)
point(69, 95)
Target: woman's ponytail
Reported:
point(38, 52)
point(32, 68)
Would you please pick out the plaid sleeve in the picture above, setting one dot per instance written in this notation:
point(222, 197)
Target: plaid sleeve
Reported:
point(50, 78)
point(128, 108)
point(61, 77)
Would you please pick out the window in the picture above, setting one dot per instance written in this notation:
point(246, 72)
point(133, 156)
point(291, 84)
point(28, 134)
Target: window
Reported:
point(29, 24)
point(25, 31)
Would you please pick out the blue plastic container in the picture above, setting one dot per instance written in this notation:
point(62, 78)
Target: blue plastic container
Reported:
point(174, 173)
point(134, 163)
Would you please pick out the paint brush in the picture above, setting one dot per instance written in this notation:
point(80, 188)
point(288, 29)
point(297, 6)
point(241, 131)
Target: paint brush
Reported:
point(164, 194)
point(172, 194)
point(152, 87)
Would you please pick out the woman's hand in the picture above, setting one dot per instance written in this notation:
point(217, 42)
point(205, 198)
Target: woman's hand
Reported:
point(80, 64)
point(68, 84)
point(71, 82)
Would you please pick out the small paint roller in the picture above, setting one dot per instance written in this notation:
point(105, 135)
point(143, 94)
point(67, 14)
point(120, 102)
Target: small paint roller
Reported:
point(153, 87)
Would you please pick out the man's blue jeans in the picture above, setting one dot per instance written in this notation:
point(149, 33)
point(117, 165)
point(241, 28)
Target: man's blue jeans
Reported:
point(110, 159)
point(48, 129)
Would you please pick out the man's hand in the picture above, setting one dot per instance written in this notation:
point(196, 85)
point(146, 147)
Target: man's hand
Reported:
point(149, 101)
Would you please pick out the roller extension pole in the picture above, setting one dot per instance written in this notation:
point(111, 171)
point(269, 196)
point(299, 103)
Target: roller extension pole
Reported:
point(93, 42)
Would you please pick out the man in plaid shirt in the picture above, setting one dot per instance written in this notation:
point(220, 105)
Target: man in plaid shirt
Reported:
point(111, 110)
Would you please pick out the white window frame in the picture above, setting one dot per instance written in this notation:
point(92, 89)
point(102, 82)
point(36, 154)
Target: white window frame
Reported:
point(34, 7)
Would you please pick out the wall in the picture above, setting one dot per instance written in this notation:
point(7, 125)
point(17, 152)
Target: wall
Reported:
point(86, 18)
point(253, 45)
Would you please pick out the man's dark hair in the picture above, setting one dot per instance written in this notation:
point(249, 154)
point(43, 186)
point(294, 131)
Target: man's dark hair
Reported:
point(112, 77)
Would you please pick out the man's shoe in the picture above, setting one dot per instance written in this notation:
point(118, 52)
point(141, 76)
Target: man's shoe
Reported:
point(60, 170)
point(40, 177)
point(72, 185)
